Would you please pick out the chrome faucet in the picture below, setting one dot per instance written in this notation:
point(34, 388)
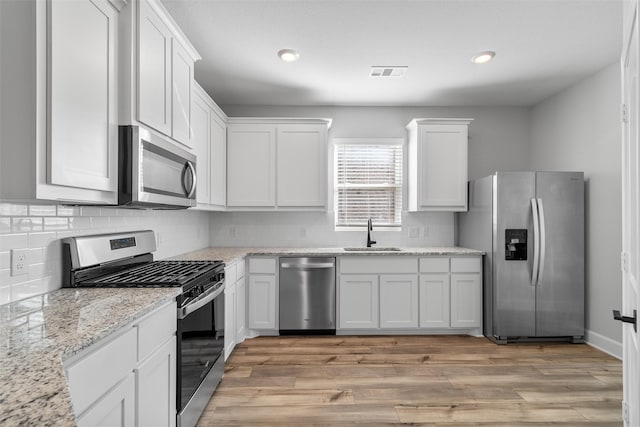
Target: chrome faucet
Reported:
point(369, 229)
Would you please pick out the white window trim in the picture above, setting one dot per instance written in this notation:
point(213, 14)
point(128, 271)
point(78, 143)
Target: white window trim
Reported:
point(332, 176)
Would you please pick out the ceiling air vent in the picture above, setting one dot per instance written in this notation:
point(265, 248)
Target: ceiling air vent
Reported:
point(387, 71)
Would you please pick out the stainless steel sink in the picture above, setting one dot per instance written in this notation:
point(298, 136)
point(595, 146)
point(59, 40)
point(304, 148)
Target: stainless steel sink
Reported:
point(372, 249)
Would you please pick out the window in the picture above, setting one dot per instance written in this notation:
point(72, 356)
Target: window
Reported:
point(368, 182)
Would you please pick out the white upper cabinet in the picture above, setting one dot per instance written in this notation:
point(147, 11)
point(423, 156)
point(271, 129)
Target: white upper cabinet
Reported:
point(208, 139)
point(59, 103)
point(251, 172)
point(277, 164)
point(302, 165)
point(438, 164)
point(158, 62)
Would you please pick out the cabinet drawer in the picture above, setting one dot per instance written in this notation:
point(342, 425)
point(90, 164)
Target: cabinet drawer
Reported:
point(466, 265)
point(92, 375)
point(155, 329)
point(378, 264)
point(434, 265)
point(262, 266)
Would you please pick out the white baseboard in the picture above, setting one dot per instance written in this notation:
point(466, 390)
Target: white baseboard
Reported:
point(609, 346)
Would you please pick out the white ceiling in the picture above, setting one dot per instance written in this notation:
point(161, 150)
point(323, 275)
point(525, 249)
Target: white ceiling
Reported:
point(542, 47)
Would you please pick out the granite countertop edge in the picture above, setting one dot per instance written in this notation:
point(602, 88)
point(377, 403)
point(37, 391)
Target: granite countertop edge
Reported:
point(42, 333)
point(233, 255)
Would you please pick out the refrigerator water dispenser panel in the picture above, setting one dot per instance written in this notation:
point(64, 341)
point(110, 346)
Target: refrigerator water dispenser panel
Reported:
point(515, 241)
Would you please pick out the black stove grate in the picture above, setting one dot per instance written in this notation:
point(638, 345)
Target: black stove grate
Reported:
point(157, 273)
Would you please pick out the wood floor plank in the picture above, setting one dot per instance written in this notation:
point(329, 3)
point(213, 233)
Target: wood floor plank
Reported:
point(423, 380)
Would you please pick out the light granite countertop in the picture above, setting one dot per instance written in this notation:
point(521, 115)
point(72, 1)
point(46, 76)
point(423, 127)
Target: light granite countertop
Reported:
point(232, 255)
point(38, 334)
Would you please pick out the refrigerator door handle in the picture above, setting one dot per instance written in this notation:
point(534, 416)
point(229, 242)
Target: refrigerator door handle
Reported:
point(542, 240)
point(536, 242)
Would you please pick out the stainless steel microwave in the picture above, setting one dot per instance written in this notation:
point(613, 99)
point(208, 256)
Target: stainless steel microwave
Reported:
point(153, 172)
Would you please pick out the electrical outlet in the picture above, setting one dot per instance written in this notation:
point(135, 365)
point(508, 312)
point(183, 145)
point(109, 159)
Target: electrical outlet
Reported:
point(425, 231)
point(19, 261)
point(414, 232)
point(303, 232)
point(232, 232)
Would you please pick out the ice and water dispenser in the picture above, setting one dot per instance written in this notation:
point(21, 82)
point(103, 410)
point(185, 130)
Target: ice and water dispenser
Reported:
point(515, 244)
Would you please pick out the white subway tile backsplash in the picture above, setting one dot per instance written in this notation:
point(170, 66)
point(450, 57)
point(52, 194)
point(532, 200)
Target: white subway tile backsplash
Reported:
point(56, 224)
point(26, 289)
point(26, 224)
point(5, 225)
point(42, 210)
point(13, 241)
point(5, 260)
point(40, 229)
point(68, 210)
point(11, 209)
point(38, 240)
point(5, 294)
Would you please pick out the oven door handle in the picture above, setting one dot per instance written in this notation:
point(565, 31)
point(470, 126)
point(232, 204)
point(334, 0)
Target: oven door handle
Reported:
point(199, 303)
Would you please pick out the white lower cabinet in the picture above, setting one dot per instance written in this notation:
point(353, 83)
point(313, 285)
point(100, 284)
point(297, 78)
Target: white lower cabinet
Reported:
point(434, 300)
point(241, 309)
point(262, 302)
point(466, 293)
point(358, 301)
point(263, 292)
point(229, 319)
point(128, 378)
point(398, 301)
point(434, 294)
point(156, 387)
point(115, 409)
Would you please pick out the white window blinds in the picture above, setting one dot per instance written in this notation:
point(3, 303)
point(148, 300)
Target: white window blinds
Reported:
point(368, 184)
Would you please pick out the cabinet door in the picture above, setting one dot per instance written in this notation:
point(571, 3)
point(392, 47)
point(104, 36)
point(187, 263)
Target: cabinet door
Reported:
point(466, 306)
point(302, 165)
point(83, 128)
point(398, 301)
point(156, 390)
point(358, 301)
point(114, 409)
point(229, 320)
point(262, 302)
point(182, 79)
point(442, 170)
point(200, 141)
point(154, 70)
point(251, 170)
point(241, 304)
point(434, 300)
point(218, 161)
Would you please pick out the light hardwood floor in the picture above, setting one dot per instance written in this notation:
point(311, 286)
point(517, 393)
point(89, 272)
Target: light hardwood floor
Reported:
point(418, 380)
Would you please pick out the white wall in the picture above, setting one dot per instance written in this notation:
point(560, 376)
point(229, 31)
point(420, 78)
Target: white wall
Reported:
point(579, 129)
point(499, 140)
point(39, 229)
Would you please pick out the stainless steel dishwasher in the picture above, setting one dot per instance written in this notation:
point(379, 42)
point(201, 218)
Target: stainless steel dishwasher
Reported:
point(308, 295)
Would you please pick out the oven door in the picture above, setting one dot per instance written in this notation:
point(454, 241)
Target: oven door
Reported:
point(200, 355)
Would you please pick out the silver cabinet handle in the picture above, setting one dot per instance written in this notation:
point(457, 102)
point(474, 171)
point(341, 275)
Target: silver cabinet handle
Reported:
point(543, 239)
point(315, 265)
point(194, 179)
point(185, 311)
point(536, 242)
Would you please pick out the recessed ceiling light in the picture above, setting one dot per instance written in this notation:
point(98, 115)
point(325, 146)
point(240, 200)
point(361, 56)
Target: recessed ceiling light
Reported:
point(483, 57)
point(288, 55)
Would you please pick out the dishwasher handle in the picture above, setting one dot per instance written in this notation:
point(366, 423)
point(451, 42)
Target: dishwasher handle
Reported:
point(307, 265)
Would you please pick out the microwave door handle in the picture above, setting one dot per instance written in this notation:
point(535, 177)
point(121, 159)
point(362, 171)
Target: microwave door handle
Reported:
point(194, 179)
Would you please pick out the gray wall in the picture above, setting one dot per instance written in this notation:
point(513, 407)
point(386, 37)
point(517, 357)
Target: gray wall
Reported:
point(499, 139)
point(579, 129)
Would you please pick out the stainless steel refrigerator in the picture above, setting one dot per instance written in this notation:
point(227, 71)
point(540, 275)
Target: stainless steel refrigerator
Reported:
point(531, 226)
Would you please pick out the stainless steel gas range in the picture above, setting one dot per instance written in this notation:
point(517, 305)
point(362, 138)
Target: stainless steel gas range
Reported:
point(126, 260)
